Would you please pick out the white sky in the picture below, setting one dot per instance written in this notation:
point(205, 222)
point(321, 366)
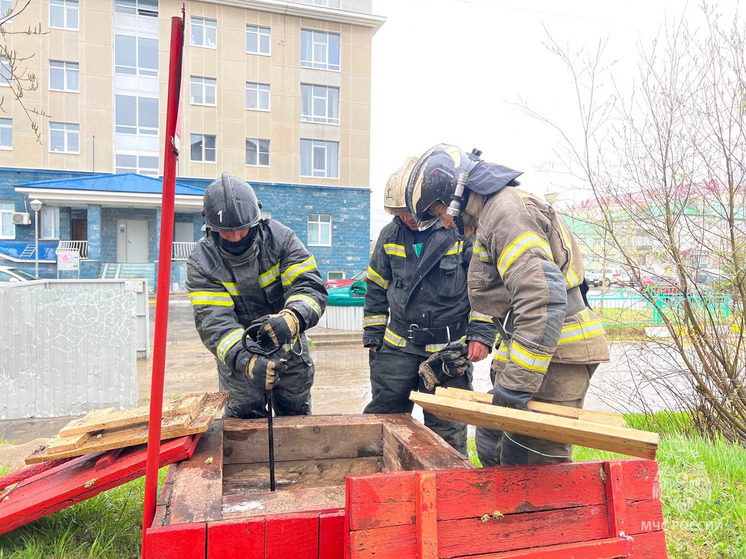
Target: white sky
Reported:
point(452, 71)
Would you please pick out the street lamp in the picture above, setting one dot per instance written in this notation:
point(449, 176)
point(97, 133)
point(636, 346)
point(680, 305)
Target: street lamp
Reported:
point(36, 206)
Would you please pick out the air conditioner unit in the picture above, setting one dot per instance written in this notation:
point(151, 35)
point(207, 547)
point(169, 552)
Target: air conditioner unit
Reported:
point(21, 218)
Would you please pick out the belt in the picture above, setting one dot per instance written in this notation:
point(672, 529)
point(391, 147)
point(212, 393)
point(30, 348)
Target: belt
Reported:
point(575, 304)
point(420, 335)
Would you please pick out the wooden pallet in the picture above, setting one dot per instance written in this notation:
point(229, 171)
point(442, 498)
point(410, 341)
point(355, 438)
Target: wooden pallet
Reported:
point(108, 429)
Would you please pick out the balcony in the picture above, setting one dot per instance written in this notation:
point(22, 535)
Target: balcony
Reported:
point(81, 247)
point(181, 250)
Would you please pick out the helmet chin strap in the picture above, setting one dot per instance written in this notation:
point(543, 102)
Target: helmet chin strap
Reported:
point(457, 198)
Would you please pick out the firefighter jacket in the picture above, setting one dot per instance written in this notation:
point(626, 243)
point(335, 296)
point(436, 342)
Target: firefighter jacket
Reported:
point(527, 272)
point(421, 305)
point(228, 292)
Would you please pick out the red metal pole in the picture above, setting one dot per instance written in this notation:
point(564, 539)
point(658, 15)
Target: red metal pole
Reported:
point(164, 273)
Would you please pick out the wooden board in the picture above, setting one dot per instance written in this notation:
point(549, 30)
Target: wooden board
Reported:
point(561, 429)
point(613, 419)
point(240, 504)
point(79, 479)
point(138, 434)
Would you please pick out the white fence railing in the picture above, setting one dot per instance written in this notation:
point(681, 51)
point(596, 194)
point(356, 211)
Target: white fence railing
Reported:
point(80, 246)
point(181, 250)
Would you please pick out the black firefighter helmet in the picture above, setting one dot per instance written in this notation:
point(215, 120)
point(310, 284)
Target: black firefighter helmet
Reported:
point(230, 204)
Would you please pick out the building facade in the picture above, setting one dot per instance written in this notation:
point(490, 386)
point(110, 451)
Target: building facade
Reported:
point(277, 93)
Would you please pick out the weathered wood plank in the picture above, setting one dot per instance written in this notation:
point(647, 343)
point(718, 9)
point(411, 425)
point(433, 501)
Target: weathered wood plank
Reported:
point(238, 505)
point(138, 434)
point(603, 418)
point(197, 492)
point(301, 440)
point(649, 546)
point(380, 500)
point(427, 515)
point(612, 548)
point(236, 539)
point(593, 435)
point(299, 474)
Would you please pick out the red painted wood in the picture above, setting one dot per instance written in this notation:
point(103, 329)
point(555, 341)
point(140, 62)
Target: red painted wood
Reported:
point(332, 535)
point(519, 489)
point(236, 539)
point(78, 480)
point(615, 499)
point(649, 546)
point(28, 471)
point(607, 549)
point(292, 536)
point(108, 459)
point(641, 481)
point(644, 516)
point(183, 541)
point(390, 542)
point(427, 516)
point(379, 500)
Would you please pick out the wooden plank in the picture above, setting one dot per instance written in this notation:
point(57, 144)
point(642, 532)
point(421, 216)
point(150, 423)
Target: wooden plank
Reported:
point(138, 434)
point(297, 438)
point(175, 542)
point(649, 546)
point(28, 471)
point(82, 424)
point(604, 418)
point(236, 539)
point(77, 480)
point(611, 548)
point(427, 515)
point(615, 498)
point(68, 442)
point(197, 492)
point(292, 537)
point(615, 439)
point(393, 542)
point(241, 505)
point(381, 500)
point(331, 535)
point(298, 474)
point(163, 504)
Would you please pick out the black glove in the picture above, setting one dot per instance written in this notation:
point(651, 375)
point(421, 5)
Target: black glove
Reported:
point(275, 330)
point(443, 365)
point(265, 370)
point(505, 397)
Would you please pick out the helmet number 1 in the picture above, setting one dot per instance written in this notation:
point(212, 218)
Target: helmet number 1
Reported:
point(220, 216)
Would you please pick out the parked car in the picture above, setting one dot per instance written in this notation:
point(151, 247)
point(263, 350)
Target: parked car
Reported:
point(596, 277)
point(711, 277)
point(348, 295)
point(8, 273)
point(360, 276)
point(665, 284)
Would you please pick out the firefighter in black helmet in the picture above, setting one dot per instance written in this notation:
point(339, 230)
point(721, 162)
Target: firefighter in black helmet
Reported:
point(246, 272)
point(527, 272)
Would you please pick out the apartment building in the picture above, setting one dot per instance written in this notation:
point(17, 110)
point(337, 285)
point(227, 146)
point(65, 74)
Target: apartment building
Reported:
point(277, 93)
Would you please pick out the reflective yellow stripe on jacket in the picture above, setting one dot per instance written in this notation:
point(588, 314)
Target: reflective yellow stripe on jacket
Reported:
point(529, 360)
point(376, 278)
point(520, 245)
point(292, 273)
point(218, 298)
point(586, 329)
point(394, 339)
point(570, 275)
point(475, 316)
point(374, 320)
point(457, 248)
point(481, 252)
point(394, 250)
point(310, 301)
point(228, 342)
point(269, 276)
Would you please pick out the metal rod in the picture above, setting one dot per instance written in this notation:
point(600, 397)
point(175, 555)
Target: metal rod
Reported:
point(271, 437)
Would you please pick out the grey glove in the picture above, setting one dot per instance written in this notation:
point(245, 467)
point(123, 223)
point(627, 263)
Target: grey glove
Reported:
point(447, 363)
point(505, 397)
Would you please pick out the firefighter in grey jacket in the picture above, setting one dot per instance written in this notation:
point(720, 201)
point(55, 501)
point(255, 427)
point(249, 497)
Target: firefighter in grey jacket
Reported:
point(247, 272)
point(527, 272)
point(417, 320)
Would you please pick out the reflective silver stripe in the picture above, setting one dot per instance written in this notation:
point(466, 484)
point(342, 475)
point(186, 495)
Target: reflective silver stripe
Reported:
point(586, 329)
point(529, 360)
point(475, 316)
point(217, 298)
point(228, 342)
point(231, 288)
point(375, 320)
point(570, 276)
point(520, 245)
point(292, 273)
point(481, 252)
point(394, 250)
point(502, 353)
point(393, 339)
point(432, 348)
point(376, 278)
point(269, 276)
point(457, 248)
point(310, 301)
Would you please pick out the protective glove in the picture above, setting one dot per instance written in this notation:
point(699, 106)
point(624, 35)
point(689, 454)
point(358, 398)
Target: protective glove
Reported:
point(265, 370)
point(275, 330)
point(443, 365)
point(505, 397)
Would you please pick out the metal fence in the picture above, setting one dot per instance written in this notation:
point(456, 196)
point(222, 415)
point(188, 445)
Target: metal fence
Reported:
point(70, 346)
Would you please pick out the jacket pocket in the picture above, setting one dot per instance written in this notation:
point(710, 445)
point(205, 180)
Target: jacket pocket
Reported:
point(451, 280)
point(274, 295)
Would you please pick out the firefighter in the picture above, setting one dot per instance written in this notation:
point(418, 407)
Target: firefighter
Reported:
point(253, 272)
point(526, 272)
point(417, 321)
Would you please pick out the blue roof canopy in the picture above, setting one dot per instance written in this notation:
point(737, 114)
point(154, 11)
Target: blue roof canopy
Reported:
point(124, 182)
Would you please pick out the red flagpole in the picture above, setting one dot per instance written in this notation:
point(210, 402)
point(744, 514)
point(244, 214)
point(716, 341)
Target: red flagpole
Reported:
point(164, 271)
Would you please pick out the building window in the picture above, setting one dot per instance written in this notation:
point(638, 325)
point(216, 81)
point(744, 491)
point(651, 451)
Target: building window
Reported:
point(63, 76)
point(326, 3)
point(319, 104)
point(257, 96)
point(319, 230)
point(7, 229)
point(319, 159)
point(202, 91)
point(257, 152)
point(141, 164)
point(136, 115)
point(203, 147)
point(335, 275)
point(204, 33)
point(6, 133)
point(63, 14)
point(6, 74)
point(257, 39)
point(135, 56)
point(64, 137)
point(50, 223)
point(148, 8)
point(319, 49)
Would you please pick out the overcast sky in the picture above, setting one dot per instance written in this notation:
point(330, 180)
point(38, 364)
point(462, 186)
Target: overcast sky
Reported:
point(453, 71)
